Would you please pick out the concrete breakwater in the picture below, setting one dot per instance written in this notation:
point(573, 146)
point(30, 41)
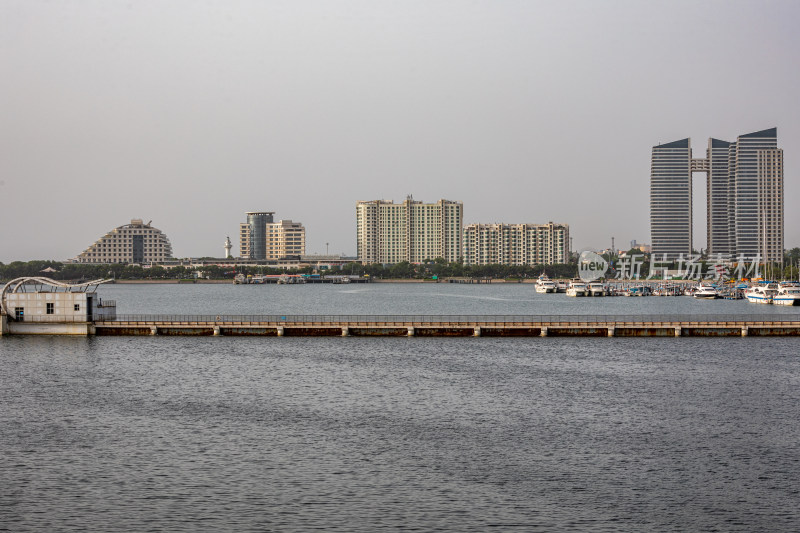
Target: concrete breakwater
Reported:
point(452, 326)
point(415, 326)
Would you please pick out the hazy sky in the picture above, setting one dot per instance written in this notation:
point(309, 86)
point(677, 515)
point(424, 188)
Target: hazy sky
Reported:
point(189, 113)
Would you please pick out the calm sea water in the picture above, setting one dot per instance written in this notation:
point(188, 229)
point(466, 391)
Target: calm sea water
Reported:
point(365, 434)
point(402, 298)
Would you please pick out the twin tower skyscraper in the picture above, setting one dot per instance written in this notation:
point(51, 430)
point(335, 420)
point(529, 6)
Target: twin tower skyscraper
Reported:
point(745, 197)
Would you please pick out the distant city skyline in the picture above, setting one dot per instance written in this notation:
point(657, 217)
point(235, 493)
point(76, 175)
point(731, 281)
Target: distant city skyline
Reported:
point(191, 113)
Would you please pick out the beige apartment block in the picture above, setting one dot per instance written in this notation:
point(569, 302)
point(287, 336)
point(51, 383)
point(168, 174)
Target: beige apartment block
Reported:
point(244, 240)
point(285, 239)
point(410, 231)
point(516, 244)
point(136, 243)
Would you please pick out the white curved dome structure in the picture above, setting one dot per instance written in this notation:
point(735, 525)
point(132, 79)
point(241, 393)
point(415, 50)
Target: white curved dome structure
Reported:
point(137, 243)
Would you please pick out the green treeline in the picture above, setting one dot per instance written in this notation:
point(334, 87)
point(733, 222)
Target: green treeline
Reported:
point(80, 271)
point(442, 269)
point(405, 270)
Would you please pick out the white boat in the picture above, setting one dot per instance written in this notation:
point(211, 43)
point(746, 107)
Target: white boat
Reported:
point(761, 294)
point(545, 285)
point(788, 294)
point(286, 279)
point(596, 288)
point(641, 290)
point(577, 288)
point(706, 292)
point(561, 286)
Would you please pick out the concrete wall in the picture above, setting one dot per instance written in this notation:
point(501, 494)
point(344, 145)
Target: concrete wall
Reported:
point(28, 328)
point(34, 305)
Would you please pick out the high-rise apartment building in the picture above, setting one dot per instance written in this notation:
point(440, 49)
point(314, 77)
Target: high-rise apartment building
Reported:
point(744, 197)
point(516, 244)
point(260, 238)
point(409, 231)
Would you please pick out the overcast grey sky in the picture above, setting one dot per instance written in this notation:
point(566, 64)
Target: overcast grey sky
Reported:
point(189, 113)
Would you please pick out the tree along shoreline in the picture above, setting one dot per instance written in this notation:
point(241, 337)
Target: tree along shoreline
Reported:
point(429, 270)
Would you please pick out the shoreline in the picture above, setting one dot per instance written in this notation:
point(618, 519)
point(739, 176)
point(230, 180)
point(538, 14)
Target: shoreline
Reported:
point(375, 280)
point(224, 281)
point(170, 282)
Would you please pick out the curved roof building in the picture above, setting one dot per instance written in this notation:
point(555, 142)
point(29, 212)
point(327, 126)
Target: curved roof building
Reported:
point(136, 242)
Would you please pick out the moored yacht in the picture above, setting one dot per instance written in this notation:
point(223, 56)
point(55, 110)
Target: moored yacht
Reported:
point(706, 292)
point(545, 285)
point(561, 286)
point(577, 288)
point(761, 294)
point(787, 294)
point(596, 288)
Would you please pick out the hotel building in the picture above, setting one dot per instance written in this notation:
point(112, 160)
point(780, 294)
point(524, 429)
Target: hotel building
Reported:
point(137, 243)
point(516, 244)
point(744, 197)
point(409, 231)
point(260, 238)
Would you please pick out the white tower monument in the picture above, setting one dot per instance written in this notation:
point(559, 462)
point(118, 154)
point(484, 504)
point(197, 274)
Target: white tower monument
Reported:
point(228, 247)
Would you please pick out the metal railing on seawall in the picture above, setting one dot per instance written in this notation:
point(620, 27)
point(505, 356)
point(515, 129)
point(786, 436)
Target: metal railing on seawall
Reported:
point(458, 319)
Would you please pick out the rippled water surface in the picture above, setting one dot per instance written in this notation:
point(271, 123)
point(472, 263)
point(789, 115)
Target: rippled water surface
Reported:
point(402, 298)
point(366, 434)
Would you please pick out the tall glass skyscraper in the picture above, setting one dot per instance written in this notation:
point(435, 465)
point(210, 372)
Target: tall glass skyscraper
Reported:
point(719, 196)
point(744, 197)
point(758, 195)
point(671, 199)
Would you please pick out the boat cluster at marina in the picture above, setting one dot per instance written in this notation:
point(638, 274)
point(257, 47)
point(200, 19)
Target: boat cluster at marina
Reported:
point(296, 279)
point(783, 293)
point(775, 293)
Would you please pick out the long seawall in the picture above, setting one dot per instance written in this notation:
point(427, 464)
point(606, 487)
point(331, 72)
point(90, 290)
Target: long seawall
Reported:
point(421, 326)
point(453, 326)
